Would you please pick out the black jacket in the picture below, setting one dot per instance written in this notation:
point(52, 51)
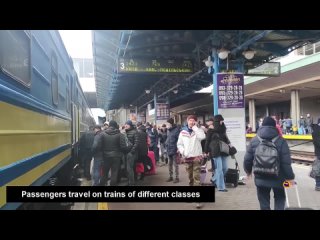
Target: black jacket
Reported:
point(133, 137)
point(285, 173)
point(143, 141)
point(172, 139)
point(114, 143)
point(86, 140)
point(316, 139)
point(97, 146)
point(212, 140)
point(163, 136)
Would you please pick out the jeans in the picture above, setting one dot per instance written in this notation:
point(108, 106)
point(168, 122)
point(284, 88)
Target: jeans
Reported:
point(264, 198)
point(113, 164)
point(131, 168)
point(173, 160)
point(97, 172)
point(221, 168)
point(317, 181)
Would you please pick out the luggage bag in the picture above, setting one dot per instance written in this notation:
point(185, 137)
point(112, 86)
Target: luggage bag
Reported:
point(232, 174)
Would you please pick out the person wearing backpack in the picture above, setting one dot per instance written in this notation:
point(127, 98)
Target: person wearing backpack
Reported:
point(268, 158)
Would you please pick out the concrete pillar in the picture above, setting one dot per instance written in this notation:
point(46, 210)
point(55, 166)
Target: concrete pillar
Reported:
point(180, 119)
point(155, 108)
point(267, 110)
point(295, 107)
point(252, 114)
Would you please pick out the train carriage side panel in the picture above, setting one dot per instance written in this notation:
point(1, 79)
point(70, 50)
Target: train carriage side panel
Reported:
point(35, 133)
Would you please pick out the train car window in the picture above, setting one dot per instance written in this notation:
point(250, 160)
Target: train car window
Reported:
point(15, 55)
point(54, 79)
point(68, 102)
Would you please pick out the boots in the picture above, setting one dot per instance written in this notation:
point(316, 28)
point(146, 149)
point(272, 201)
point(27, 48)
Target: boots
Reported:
point(170, 179)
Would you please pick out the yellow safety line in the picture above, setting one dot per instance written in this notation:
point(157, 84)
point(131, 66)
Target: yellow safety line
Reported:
point(103, 206)
point(291, 137)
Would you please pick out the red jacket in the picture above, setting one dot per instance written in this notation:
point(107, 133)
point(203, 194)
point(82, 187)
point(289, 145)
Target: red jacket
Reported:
point(279, 129)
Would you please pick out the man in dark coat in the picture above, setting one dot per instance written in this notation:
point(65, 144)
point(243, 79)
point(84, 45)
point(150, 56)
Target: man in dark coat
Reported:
point(316, 143)
point(132, 156)
point(264, 183)
point(143, 148)
point(114, 145)
point(163, 133)
point(154, 139)
point(86, 141)
point(97, 151)
point(171, 146)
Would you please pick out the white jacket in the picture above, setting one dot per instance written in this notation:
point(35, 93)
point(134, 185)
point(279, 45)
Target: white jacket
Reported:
point(190, 145)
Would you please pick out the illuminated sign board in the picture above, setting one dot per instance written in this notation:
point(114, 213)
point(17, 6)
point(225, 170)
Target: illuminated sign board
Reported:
point(133, 65)
point(269, 69)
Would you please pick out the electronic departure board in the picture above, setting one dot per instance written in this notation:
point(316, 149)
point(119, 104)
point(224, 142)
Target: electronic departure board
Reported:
point(133, 65)
point(269, 69)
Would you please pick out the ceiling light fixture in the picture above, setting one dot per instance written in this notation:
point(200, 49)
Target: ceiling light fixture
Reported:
point(223, 53)
point(148, 91)
point(175, 91)
point(208, 62)
point(249, 54)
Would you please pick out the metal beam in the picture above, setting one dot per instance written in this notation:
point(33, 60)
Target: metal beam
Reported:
point(251, 41)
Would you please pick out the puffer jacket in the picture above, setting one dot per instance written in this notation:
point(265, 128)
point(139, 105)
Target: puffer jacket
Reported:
point(114, 144)
point(133, 137)
point(285, 172)
point(172, 139)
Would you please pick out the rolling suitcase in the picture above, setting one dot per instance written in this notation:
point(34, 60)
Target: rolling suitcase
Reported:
point(298, 200)
point(152, 171)
point(203, 174)
point(232, 174)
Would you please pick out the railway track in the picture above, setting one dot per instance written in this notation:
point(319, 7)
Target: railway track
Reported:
point(302, 157)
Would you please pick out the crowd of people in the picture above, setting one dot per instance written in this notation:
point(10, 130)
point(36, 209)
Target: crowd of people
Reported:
point(120, 150)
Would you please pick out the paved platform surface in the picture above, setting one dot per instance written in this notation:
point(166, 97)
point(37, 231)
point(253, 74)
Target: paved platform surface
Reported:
point(242, 197)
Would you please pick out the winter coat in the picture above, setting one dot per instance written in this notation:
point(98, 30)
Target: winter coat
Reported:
point(114, 143)
point(133, 137)
point(163, 135)
point(154, 137)
point(285, 172)
point(97, 146)
point(212, 145)
point(189, 143)
point(172, 139)
point(316, 139)
point(143, 141)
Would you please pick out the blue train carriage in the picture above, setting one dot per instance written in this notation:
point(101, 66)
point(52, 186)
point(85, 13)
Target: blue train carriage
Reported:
point(42, 111)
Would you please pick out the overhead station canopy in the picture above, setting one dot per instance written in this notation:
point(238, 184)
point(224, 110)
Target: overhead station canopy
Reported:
point(129, 62)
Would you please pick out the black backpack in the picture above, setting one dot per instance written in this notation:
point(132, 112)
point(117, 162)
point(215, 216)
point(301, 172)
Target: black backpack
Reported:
point(266, 159)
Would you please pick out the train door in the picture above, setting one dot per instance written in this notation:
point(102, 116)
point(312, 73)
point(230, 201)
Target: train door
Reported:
point(75, 124)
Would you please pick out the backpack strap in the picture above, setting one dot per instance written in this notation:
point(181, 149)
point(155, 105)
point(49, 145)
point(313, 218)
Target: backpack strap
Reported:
point(275, 139)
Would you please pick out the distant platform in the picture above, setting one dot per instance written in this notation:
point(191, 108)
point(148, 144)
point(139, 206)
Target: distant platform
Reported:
point(289, 137)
